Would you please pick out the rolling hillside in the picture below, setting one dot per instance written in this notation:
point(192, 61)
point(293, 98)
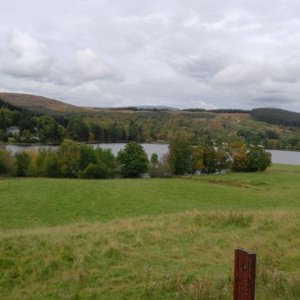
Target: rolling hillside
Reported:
point(36, 103)
point(273, 128)
point(277, 116)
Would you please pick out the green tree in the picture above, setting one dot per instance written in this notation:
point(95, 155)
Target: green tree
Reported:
point(258, 159)
point(154, 159)
point(153, 166)
point(135, 132)
point(78, 130)
point(197, 159)
point(68, 159)
point(3, 135)
point(26, 136)
point(180, 155)
point(6, 162)
point(97, 132)
point(133, 160)
point(47, 163)
point(86, 156)
point(22, 161)
point(3, 119)
point(48, 130)
point(106, 157)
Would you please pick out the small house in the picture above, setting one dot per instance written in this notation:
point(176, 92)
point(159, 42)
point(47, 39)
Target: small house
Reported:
point(13, 130)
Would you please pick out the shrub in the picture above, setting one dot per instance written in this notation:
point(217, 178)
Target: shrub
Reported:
point(133, 160)
point(6, 162)
point(93, 171)
point(21, 163)
point(251, 160)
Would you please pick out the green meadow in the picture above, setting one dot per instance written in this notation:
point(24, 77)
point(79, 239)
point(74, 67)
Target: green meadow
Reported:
point(149, 238)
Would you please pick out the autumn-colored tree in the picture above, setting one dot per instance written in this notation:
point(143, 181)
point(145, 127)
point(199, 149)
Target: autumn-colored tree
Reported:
point(223, 158)
point(240, 160)
point(252, 159)
point(197, 158)
point(210, 160)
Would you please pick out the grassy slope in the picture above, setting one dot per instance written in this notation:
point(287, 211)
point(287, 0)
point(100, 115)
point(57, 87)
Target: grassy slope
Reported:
point(160, 239)
point(29, 203)
point(33, 101)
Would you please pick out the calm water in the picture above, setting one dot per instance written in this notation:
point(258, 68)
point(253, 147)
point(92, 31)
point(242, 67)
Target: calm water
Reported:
point(160, 149)
point(278, 156)
point(285, 157)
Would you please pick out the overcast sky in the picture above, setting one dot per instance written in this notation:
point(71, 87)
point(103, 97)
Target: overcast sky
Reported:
point(181, 53)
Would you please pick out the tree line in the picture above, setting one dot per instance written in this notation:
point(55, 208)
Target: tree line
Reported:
point(38, 128)
point(277, 116)
point(207, 159)
point(200, 126)
point(73, 160)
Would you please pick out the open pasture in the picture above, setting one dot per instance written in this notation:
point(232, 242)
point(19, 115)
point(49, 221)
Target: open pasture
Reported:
point(149, 238)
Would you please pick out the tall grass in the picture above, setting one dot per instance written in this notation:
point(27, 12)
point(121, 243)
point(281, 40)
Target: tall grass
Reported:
point(179, 256)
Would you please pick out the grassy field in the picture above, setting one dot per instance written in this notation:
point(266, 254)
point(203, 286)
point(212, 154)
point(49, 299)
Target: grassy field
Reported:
point(149, 238)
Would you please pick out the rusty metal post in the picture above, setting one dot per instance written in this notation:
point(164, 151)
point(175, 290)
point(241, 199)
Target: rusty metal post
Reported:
point(244, 275)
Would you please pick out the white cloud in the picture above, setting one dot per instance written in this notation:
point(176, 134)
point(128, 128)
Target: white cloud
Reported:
point(240, 74)
point(92, 68)
point(170, 52)
point(28, 56)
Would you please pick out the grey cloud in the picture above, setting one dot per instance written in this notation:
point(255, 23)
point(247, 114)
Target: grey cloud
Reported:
point(173, 52)
point(270, 101)
point(201, 67)
point(239, 74)
point(284, 102)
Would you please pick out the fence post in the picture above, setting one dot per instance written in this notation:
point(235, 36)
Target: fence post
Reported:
point(244, 275)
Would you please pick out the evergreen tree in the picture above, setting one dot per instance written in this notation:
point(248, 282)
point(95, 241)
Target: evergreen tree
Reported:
point(133, 160)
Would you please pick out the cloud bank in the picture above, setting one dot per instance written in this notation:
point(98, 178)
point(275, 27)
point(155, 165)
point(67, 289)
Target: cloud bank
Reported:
point(224, 54)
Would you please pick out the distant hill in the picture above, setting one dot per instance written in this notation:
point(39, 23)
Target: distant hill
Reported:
point(270, 127)
point(37, 103)
point(276, 116)
point(45, 105)
point(146, 108)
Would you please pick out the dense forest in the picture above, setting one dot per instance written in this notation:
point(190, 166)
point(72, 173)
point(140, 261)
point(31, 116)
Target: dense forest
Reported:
point(277, 116)
point(21, 125)
point(55, 122)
